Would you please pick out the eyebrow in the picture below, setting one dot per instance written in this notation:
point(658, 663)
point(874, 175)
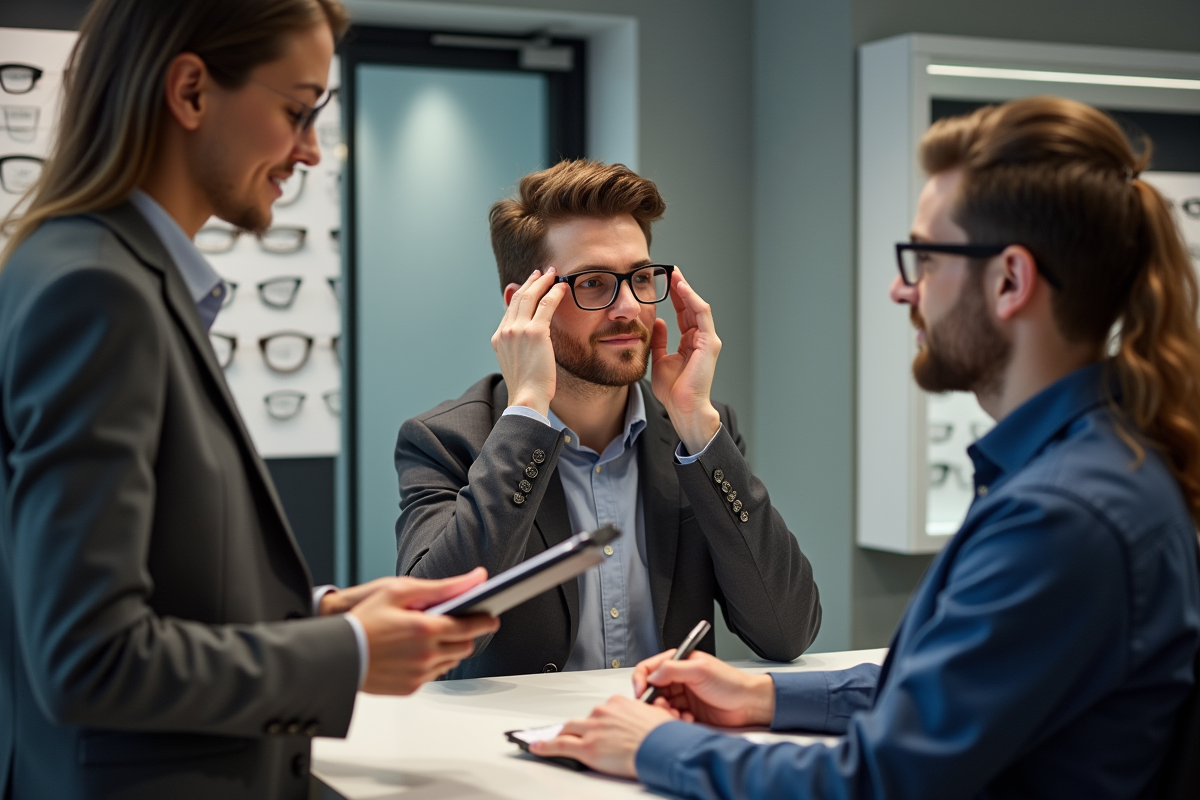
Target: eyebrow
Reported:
point(605, 268)
point(316, 88)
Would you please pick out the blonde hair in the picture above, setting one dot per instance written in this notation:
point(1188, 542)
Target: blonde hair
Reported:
point(1060, 178)
point(113, 87)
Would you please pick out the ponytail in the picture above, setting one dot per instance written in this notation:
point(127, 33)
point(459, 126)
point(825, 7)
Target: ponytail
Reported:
point(1157, 358)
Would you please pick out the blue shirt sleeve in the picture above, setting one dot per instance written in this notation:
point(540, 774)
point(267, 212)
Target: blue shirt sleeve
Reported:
point(1010, 653)
point(822, 701)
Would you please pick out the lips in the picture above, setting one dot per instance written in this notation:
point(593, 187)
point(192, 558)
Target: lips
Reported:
point(627, 341)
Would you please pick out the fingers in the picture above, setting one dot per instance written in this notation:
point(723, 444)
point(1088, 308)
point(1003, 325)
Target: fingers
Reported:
point(564, 745)
point(419, 593)
point(645, 667)
point(658, 340)
point(549, 303)
point(529, 295)
point(694, 307)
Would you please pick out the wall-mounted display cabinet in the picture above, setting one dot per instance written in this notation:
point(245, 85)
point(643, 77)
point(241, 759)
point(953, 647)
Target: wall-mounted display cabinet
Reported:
point(914, 476)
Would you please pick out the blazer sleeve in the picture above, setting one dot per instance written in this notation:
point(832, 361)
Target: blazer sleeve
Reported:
point(460, 510)
point(769, 597)
point(83, 399)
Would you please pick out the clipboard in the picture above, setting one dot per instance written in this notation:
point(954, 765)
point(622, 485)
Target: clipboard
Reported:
point(530, 578)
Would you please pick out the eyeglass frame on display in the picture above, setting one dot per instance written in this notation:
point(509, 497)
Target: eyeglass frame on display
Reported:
point(946, 468)
point(1191, 207)
point(298, 395)
point(326, 396)
point(297, 170)
point(622, 277)
point(967, 250)
point(335, 285)
point(231, 288)
point(38, 72)
point(233, 342)
point(309, 341)
point(33, 111)
point(15, 157)
point(948, 427)
point(294, 280)
point(236, 233)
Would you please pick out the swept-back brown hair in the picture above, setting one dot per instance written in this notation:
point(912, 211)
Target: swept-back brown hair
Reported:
point(114, 84)
point(568, 190)
point(1060, 178)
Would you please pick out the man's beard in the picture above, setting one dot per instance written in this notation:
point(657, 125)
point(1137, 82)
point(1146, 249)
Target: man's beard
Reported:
point(585, 363)
point(964, 352)
point(221, 191)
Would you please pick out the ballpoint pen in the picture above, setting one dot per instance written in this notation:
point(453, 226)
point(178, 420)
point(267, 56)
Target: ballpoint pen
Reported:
point(681, 654)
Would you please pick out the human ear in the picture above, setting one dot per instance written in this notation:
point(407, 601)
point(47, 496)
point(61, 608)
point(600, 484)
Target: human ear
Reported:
point(1015, 282)
point(509, 291)
point(184, 91)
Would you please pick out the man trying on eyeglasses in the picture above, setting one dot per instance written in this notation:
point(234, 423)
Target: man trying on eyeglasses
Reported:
point(570, 437)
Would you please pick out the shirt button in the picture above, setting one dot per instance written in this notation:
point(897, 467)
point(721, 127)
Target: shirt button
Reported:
point(616, 663)
point(608, 551)
point(597, 469)
point(568, 439)
point(216, 291)
point(982, 491)
point(612, 612)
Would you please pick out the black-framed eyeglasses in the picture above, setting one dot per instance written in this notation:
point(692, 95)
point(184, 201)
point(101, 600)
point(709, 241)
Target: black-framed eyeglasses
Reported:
point(286, 352)
point(596, 289)
point(231, 288)
point(283, 404)
point(911, 258)
point(1191, 207)
point(301, 120)
point(280, 239)
point(224, 347)
point(279, 292)
point(19, 78)
point(333, 401)
point(18, 173)
point(940, 472)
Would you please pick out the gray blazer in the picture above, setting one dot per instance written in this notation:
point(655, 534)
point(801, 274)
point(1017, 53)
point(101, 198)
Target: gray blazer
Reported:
point(461, 466)
point(156, 638)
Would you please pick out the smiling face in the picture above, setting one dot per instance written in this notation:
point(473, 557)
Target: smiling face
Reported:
point(961, 349)
point(248, 145)
point(610, 347)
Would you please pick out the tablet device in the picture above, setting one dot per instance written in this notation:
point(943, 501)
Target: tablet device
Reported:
point(530, 735)
point(530, 578)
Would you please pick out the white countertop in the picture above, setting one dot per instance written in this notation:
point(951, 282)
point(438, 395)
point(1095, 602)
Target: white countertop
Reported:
point(447, 741)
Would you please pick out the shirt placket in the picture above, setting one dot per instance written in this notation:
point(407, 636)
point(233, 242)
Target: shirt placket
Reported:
point(612, 574)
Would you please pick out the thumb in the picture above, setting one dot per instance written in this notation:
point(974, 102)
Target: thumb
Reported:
point(419, 594)
point(658, 340)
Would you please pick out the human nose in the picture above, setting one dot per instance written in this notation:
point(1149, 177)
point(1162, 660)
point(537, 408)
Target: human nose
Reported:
point(306, 150)
point(902, 293)
point(624, 305)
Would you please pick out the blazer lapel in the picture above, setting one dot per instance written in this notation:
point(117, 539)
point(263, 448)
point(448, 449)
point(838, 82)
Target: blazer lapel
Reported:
point(660, 501)
point(552, 521)
point(128, 224)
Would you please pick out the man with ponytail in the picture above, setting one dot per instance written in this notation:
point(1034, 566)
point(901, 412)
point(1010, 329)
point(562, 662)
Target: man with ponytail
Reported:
point(159, 633)
point(1050, 649)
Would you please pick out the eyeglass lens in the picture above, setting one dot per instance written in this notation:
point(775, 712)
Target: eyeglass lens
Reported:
point(18, 78)
point(285, 352)
point(940, 431)
point(1191, 207)
point(939, 474)
point(18, 173)
point(224, 347)
point(596, 290)
point(215, 239)
point(230, 291)
point(284, 403)
point(333, 401)
point(21, 122)
point(283, 239)
point(279, 292)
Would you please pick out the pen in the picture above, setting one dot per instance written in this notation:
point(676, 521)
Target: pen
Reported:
point(681, 654)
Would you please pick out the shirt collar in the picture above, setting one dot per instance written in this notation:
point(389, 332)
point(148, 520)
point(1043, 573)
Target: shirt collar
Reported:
point(198, 275)
point(635, 420)
point(1024, 433)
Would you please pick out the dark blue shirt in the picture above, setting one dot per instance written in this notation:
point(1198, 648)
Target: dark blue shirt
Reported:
point(1044, 655)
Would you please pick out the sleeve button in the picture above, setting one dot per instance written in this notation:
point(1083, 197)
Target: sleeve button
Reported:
point(745, 517)
point(293, 728)
point(531, 471)
point(726, 487)
point(539, 456)
point(731, 497)
point(274, 728)
point(518, 498)
point(525, 486)
point(718, 475)
point(312, 728)
point(737, 506)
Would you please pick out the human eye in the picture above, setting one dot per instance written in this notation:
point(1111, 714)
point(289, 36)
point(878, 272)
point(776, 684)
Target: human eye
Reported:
point(589, 282)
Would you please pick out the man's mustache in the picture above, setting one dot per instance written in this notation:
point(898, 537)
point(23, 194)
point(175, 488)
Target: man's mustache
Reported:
point(634, 327)
point(918, 321)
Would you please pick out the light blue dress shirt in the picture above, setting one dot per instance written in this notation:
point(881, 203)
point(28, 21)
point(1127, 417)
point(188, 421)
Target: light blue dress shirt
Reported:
point(616, 613)
point(208, 292)
point(1044, 655)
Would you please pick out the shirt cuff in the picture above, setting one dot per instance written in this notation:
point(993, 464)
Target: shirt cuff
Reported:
point(525, 411)
point(364, 652)
point(681, 456)
point(660, 752)
point(318, 593)
point(801, 701)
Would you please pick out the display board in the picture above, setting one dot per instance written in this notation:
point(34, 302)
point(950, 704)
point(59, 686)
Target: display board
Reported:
point(277, 335)
point(915, 481)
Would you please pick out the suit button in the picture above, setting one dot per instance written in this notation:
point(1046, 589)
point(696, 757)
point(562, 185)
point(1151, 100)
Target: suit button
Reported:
point(539, 456)
point(300, 765)
point(312, 728)
point(727, 487)
point(525, 486)
point(745, 517)
point(550, 668)
point(731, 497)
point(274, 728)
point(737, 506)
point(531, 471)
point(718, 475)
point(293, 728)
point(518, 498)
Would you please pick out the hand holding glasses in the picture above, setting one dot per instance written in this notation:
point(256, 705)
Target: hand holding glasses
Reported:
point(595, 290)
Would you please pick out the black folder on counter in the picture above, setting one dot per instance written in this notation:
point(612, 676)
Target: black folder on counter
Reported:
point(528, 579)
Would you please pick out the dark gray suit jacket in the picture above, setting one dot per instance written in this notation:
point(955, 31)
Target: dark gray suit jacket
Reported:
point(156, 638)
point(462, 463)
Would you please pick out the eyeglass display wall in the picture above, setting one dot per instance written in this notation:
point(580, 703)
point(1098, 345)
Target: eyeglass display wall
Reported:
point(31, 63)
point(914, 476)
point(278, 333)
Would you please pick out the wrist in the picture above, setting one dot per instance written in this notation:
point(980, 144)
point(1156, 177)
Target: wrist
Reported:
point(531, 400)
point(762, 700)
point(698, 429)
